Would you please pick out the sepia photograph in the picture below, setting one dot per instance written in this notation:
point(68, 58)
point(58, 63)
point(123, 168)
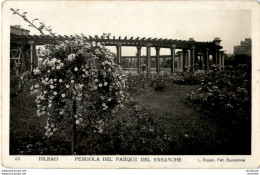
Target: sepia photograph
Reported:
point(129, 79)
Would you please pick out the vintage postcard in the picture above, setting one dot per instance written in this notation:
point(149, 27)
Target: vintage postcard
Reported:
point(130, 84)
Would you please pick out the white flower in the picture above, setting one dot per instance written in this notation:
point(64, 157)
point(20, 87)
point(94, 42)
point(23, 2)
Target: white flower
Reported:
point(96, 80)
point(100, 85)
point(71, 57)
point(95, 87)
point(63, 95)
point(76, 69)
point(103, 63)
point(77, 122)
point(61, 64)
point(31, 88)
point(48, 71)
point(45, 92)
point(72, 81)
point(37, 71)
point(51, 86)
point(61, 112)
point(55, 80)
point(46, 79)
point(60, 80)
point(109, 70)
point(55, 93)
point(58, 67)
point(109, 99)
point(51, 134)
point(105, 83)
point(67, 86)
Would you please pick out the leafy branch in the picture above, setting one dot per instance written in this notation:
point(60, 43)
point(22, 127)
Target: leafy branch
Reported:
point(41, 28)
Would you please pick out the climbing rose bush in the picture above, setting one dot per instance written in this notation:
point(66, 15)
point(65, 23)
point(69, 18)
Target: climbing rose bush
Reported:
point(77, 75)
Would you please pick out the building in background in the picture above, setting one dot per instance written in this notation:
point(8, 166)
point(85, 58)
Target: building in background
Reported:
point(19, 51)
point(17, 30)
point(245, 47)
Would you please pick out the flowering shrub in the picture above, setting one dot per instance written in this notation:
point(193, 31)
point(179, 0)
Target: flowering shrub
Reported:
point(188, 78)
point(225, 93)
point(77, 84)
point(159, 82)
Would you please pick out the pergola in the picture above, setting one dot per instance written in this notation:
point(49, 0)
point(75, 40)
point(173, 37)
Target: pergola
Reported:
point(190, 50)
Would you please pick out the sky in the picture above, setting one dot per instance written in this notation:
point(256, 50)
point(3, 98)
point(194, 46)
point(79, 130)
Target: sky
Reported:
point(138, 19)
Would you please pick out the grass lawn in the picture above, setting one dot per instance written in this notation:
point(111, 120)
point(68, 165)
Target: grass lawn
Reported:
point(188, 131)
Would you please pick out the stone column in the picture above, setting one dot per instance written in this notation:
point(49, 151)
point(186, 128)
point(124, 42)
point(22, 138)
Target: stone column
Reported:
point(202, 61)
point(138, 58)
point(192, 55)
point(217, 57)
point(173, 58)
point(32, 54)
point(184, 59)
point(118, 53)
point(207, 59)
point(221, 58)
point(148, 58)
point(157, 59)
point(188, 59)
point(180, 61)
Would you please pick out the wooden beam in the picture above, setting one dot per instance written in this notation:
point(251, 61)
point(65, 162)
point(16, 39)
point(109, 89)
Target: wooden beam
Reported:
point(61, 37)
point(67, 37)
point(164, 40)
